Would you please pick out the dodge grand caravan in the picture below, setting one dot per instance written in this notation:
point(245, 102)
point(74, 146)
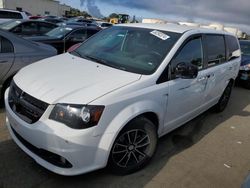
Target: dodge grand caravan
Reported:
point(107, 102)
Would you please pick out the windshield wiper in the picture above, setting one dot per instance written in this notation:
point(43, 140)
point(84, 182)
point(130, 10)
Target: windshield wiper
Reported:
point(97, 60)
point(101, 61)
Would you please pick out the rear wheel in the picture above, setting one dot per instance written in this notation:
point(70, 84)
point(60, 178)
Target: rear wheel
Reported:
point(222, 104)
point(134, 147)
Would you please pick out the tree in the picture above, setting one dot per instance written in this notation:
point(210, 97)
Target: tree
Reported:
point(113, 15)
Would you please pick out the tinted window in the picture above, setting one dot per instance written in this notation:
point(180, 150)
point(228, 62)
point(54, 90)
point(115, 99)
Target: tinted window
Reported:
point(216, 52)
point(45, 27)
point(233, 47)
point(10, 15)
point(92, 32)
point(245, 48)
point(106, 25)
point(6, 46)
point(191, 53)
point(29, 27)
point(80, 35)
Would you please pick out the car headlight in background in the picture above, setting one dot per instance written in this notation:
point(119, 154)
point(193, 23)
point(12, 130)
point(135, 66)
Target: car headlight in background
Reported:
point(77, 116)
point(245, 67)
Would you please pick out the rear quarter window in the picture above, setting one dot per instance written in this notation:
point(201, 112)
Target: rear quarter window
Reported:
point(215, 48)
point(233, 47)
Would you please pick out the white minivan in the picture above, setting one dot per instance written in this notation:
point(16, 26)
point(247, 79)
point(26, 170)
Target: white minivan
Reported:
point(108, 102)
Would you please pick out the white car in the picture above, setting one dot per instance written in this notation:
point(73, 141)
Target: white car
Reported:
point(107, 102)
point(7, 15)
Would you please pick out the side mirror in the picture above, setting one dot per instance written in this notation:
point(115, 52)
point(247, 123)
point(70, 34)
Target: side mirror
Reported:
point(186, 71)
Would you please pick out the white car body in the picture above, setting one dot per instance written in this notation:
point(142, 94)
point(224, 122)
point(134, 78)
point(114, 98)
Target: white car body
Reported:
point(73, 80)
point(7, 15)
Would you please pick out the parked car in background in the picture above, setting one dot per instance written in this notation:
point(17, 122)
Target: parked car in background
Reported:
point(6, 15)
point(35, 17)
point(244, 73)
point(104, 25)
point(64, 37)
point(52, 20)
point(16, 53)
point(108, 102)
point(27, 27)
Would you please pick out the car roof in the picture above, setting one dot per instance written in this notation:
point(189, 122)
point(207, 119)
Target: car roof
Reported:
point(10, 10)
point(172, 28)
point(79, 26)
point(22, 21)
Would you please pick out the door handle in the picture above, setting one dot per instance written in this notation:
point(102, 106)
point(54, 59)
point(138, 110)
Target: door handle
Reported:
point(202, 78)
point(3, 61)
point(230, 68)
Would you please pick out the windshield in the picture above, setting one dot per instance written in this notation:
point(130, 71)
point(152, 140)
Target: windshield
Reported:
point(59, 32)
point(245, 48)
point(10, 24)
point(137, 50)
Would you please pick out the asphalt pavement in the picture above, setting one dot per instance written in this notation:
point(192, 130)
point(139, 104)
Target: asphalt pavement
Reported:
point(210, 151)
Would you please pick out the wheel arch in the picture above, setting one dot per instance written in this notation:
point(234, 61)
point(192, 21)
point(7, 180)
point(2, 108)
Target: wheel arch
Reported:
point(108, 138)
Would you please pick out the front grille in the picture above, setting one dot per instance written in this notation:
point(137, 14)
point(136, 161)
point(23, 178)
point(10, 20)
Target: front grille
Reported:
point(48, 156)
point(25, 106)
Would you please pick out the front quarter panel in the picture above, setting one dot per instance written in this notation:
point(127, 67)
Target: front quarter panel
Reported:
point(121, 109)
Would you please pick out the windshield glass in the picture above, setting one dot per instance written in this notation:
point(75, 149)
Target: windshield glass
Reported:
point(137, 50)
point(245, 48)
point(10, 24)
point(59, 32)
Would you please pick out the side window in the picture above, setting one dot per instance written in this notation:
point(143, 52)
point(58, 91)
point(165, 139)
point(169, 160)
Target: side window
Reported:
point(233, 47)
point(215, 48)
point(191, 53)
point(10, 15)
point(45, 27)
point(79, 35)
point(6, 46)
point(91, 32)
point(29, 27)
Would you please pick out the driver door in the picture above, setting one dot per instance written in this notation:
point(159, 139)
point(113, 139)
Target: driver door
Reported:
point(186, 96)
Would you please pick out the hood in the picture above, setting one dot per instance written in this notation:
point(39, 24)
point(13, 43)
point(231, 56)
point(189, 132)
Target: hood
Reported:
point(41, 38)
point(70, 79)
point(245, 59)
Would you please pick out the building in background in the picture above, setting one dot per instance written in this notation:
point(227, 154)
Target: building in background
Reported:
point(37, 7)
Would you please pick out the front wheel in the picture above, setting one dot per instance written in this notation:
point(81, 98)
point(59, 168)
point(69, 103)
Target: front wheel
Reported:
point(222, 104)
point(134, 147)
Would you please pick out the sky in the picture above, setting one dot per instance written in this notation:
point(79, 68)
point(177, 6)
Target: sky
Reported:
point(234, 13)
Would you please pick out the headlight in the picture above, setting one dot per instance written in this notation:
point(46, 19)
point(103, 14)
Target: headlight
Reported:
point(77, 116)
point(245, 67)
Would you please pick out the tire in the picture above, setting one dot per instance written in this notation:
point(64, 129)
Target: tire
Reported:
point(134, 147)
point(222, 104)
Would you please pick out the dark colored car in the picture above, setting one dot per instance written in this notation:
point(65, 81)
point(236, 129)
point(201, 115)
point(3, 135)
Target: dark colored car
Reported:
point(15, 53)
point(62, 38)
point(28, 27)
point(52, 20)
point(244, 73)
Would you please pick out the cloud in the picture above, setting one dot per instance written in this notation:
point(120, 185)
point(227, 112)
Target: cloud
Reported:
point(92, 8)
point(230, 11)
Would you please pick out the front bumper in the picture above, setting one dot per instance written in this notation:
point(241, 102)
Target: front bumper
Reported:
point(70, 152)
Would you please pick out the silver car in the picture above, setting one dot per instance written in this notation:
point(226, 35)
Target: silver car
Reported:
point(15, 53)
